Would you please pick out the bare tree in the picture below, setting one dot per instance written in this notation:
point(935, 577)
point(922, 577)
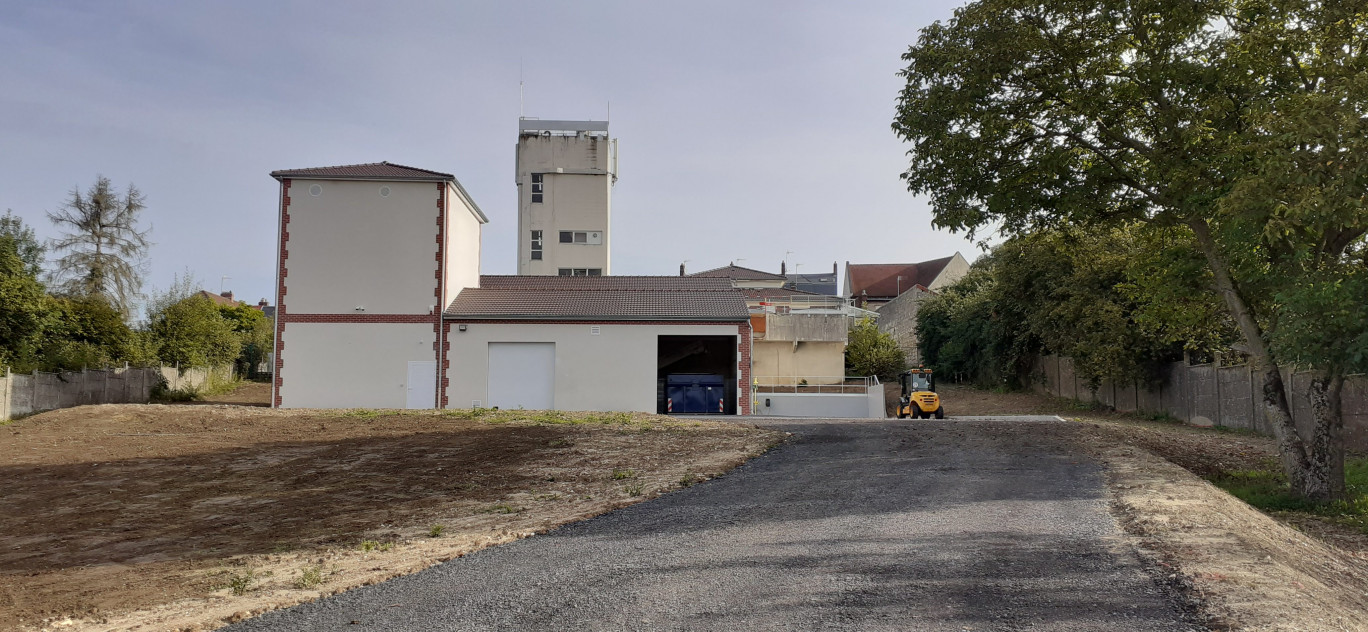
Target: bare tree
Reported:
point(102, 251)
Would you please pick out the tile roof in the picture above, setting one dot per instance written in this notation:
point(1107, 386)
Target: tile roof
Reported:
point(774, 292)
point(880, 280)
point(217, 299)
point(369, 171)
point(599, 298)
point(740, 273)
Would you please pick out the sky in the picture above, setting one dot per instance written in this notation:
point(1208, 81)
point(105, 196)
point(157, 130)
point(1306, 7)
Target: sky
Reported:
point(751, 132)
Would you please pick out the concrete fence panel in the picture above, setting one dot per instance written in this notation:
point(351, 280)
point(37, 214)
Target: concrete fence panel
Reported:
point(1229, 396)
point(1233, 386)
point(27, 394)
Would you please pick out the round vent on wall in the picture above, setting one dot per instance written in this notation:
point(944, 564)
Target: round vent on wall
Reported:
point(316, 190)
point(384, 191)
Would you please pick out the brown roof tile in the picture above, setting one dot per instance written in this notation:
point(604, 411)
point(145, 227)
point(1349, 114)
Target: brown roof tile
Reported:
point(880, 280)
point(599, 298)
point(369, 171)
point(740, 273)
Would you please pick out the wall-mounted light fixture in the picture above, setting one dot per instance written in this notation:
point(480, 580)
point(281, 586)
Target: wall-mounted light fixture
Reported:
point(360, 308)
point(461, 327)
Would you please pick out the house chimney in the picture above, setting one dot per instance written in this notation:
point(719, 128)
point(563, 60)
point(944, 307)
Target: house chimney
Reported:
point(833, 267)
point(783, 268)
point(228, 295)
point(681, 269)
point(261, 304)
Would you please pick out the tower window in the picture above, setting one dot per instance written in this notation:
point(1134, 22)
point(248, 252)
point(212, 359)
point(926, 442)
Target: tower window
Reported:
point(580, 272)
point(536, 245)
point(590, 237)
point(537, 188)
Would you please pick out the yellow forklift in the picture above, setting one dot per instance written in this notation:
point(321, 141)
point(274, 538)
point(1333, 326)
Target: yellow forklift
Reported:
point(919, 398)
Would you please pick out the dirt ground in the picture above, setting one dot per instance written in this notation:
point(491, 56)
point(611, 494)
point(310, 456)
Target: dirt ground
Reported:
point(1243, 569)
point(152, 517)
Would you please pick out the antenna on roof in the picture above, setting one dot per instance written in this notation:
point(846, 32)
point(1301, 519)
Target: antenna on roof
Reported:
point(521, 91)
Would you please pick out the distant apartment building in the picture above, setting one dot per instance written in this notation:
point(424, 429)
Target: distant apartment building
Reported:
point(565, 176)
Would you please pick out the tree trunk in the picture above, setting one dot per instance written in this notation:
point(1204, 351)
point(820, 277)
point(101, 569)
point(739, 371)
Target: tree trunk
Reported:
point(1324, 480)
point(1306, 479)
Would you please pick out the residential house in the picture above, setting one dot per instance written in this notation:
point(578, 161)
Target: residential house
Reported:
point(799, 337)
point(897, 290)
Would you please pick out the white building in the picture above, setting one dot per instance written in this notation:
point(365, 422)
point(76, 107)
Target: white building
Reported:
point(369, 257)
point(565, 176)
point(380, 304)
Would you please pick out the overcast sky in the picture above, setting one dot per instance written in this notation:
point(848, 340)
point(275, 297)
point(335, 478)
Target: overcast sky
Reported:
point(747, 129)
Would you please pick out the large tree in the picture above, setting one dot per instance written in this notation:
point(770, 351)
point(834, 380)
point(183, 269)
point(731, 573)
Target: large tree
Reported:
point(26, 244)
point(23, 309)
point(1238, 121)
point(102, 248)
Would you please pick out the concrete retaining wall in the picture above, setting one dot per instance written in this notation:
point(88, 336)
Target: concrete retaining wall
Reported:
point(27, 394)
point(856, 405)
point(1208, 394)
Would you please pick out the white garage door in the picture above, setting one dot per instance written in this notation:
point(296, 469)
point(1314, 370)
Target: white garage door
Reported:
point(522, 375)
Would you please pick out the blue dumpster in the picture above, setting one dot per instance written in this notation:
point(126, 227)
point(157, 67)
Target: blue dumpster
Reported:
point(695, 393)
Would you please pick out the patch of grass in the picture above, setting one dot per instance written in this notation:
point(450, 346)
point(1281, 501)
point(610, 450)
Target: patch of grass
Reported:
point(241, 583)
point(548, 417)
point(546, 497)
point(436, 531)
point(372, 545)
point(1268, 490)
point(634, 488)
point(361, 413)
point(620, 473)
point(688, 480)
point(501, 508)
point(308, 578)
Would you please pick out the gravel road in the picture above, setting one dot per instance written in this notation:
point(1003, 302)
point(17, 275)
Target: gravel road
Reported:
point(950, 525)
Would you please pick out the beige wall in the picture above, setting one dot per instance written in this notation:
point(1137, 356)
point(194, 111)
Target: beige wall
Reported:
point(350, 247)
point(578, 198)
point(898, 318)
point(463, 246)
point(613, 371)
point(954, 271)
point(810, 360)
point(351, 365)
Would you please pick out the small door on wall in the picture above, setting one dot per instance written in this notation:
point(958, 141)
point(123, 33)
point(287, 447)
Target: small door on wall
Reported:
point(522, 375)
point(422, 384)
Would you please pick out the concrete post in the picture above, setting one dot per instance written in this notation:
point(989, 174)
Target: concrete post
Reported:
point(9, 388)
point(1216, 372)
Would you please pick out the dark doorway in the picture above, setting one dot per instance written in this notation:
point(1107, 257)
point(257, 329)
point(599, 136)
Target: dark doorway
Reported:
point(700, 373)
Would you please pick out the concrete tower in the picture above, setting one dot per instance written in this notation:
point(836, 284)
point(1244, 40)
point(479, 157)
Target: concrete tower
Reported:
point(565, 176)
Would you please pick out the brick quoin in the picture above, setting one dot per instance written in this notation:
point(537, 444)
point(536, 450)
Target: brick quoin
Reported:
point(743, 386)
point(438, 331)
point(280, 287)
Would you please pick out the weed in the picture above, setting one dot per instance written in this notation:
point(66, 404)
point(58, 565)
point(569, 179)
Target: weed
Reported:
point(371, 545)
point(310, 577)
point(1268, 489)
point(688, 480)
point(620, 473)
point(436, 531)
point(361, 413)
point(241, 583)
point(501, 508)
point(634, 488)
